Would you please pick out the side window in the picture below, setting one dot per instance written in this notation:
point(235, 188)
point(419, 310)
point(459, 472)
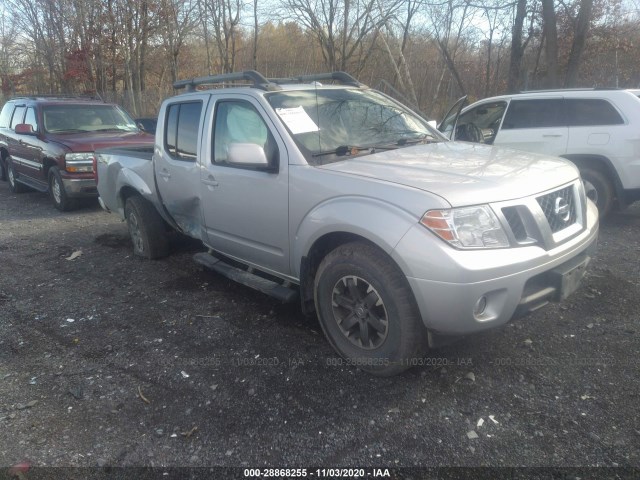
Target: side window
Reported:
point(583, 112)
point(486, 117)
point(240, 122)
point(18, 115)
point(5, 116)
point(181, 132)
point(30, 118)
point(534, 114)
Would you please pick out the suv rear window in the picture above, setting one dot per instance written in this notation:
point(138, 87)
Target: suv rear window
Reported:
point(585, 112)
point(534, 114)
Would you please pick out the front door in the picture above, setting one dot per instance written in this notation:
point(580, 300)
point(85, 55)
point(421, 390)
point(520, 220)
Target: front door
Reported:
point(246, 209)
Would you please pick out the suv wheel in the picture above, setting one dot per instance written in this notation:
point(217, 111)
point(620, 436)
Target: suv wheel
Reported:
point(16, 186)
point(599, 189)
point(367, 310)
point(57, 192)
point(3, 170)
point(147, 229)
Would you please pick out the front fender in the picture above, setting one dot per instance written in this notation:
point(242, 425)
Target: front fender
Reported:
point(379, 222)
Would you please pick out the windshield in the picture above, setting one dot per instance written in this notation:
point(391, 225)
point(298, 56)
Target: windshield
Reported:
point(86, 118)
point(332, 124)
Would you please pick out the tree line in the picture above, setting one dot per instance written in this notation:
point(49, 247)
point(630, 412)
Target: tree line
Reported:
point(425, 52)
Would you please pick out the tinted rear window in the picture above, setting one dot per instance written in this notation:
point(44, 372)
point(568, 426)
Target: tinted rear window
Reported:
point(534, 114)
point(583, 112)
point(183, 124)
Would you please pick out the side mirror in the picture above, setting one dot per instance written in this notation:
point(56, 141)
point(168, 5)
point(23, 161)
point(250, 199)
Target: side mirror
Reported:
point(247, 155)
point(24, 129)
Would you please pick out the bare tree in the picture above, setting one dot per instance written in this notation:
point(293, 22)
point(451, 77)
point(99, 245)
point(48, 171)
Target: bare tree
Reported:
point(579, 40)
point(551, 41)
point(176, 21)
point(344, 29)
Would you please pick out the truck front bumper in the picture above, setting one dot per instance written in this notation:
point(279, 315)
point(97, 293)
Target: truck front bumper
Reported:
point(460, 292)
point(76, 186)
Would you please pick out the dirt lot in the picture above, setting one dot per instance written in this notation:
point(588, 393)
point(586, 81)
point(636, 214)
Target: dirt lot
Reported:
point(106, 359)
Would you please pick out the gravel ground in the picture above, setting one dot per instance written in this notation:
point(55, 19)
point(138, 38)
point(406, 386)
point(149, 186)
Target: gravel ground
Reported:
point(109, 360)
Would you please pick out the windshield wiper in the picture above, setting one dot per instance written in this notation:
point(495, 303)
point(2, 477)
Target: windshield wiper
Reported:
point(69, 130)
point(343, 150)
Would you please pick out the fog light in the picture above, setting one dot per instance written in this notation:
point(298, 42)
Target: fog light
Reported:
point(481, 304)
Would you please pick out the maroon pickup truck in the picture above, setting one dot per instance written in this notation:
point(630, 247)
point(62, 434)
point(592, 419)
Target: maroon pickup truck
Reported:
point(48, 144)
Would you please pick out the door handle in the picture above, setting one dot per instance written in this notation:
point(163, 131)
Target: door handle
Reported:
point(552, 135)
point(164, 173)
point(210, 181)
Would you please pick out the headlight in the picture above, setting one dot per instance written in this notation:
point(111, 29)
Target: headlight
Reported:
point(467, 227)
point(79, 162)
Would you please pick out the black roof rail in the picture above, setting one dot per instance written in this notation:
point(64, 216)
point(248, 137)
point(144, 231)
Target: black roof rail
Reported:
point(259, 81)
point(58, 96)
point(342, 77)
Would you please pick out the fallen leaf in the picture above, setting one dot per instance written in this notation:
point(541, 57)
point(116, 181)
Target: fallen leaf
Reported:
point(74, 255)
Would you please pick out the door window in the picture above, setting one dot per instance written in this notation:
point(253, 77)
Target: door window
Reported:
point(542, 113)
point(18, 115)
point(30, 118)
point(584, 112)
point(486, 117)
point(239, 122)
point(181, 132)
point(5, 116)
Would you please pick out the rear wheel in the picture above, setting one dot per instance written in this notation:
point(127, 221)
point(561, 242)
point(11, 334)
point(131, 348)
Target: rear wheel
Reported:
point(15, 185)
point(58, 193)
point(367, 310)
point(599, 189)
point(147, 229)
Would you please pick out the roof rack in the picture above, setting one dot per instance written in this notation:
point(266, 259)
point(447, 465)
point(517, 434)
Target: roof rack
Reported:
point(258, 80)
point(342, 77)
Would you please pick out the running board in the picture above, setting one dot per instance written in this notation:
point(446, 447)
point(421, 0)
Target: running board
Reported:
point(271, 288)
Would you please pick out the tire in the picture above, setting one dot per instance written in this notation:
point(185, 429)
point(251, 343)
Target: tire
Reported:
point(361, 294)
point(3, 170)
point(146, 228)
point(14, 185)
point(57, 192)
point(599, 189)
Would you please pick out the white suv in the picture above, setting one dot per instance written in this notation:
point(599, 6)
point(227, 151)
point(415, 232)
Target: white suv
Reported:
point(598, 130)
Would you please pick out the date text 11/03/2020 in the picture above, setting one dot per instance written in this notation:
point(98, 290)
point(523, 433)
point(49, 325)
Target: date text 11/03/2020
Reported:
point(317, 472)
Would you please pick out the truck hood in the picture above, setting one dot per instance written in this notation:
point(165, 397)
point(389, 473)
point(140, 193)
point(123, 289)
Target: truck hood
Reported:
point(90, 142)
point(463, 173)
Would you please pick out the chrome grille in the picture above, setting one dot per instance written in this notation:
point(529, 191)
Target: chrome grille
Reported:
point(515, 223)
point(559, 207)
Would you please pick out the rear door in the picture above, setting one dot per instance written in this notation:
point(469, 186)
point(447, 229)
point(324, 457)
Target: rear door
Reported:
point(535, 125)
point(16, 143)
point(175, 160)
point(246, 209)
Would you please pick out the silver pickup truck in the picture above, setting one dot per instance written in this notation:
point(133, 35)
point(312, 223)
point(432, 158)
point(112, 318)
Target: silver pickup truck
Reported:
point(341, 196)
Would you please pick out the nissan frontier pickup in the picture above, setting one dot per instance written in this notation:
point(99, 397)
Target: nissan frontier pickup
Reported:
point(320, 188)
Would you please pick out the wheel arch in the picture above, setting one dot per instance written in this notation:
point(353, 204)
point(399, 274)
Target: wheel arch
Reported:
point(603, 165)
point(47, 164)
point(342, 220)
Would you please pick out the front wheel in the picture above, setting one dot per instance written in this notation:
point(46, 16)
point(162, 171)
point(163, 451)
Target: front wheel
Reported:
point(58, 193)
point(367, 310)
point(599, 189)
point(147, 229)
point(3, 170)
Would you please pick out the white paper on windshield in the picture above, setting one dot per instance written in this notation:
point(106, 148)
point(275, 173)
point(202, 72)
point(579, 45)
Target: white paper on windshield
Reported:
point(297, 120)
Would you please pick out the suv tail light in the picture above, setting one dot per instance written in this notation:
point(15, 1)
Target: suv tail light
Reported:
point(95, 168)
